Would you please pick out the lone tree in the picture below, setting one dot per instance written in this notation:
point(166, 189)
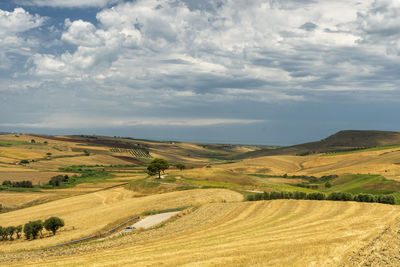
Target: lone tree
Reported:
point(53, 224)
point(157, 166)
point(180, 166)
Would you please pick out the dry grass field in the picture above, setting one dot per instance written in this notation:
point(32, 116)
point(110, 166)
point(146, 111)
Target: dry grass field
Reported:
point(35, 177)
point(54, 164)
point(92, 213)
point(221, 229)
point(264, 233)
point(385, 162)
point(214, 174)
point(16, 199)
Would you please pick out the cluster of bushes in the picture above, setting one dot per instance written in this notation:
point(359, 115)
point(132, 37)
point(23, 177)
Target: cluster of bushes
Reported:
point(58, 180)
point(335, 196)
point(7, 233)
point(24, 184)
point(32, 229)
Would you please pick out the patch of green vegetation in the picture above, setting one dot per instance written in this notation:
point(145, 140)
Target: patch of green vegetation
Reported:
point(361, 150)
point(19, 189)
point(138, 184)
point(210, 184)
point(153, 212)
point(169, 179)
point(8, 143)
point(287, 188)
point(363, 183)
point(85, 174)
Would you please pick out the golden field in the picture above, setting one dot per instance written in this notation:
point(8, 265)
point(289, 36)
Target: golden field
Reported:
point(218, 228)
point(92, 213)
point(385, 162)
point(265, 233)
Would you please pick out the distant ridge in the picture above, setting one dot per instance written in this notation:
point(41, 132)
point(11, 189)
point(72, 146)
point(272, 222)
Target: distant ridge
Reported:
point(340, 141)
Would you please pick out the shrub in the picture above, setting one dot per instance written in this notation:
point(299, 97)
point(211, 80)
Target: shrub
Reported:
point(3, 233)
point(58, 180)
point(7, 183)
point(250, 197)
point(316, 196)
point(266, 196)
point(10, 231)
point(299, 195)
point(180, 166)
point(18, 230)
point(275, 195)
point(24, 161)
point(53, 224)
point(387, 199)
point(258, 197)
point(328, 185)
point(365, 198)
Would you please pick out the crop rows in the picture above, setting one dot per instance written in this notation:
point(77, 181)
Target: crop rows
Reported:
point(136, 153)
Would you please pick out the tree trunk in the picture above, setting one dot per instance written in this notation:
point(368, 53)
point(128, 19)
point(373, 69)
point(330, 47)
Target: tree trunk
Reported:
point(159, 175)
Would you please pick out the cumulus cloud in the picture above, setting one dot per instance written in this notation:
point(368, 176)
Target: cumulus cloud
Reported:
point(18, 21)
point(208, 58)
point(68, 3)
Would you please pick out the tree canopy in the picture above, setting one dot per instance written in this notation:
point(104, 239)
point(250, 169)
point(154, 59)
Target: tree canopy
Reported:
point(157, 166)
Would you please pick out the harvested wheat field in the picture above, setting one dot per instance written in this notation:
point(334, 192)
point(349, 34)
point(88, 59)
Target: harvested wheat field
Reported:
point(89, 214)
point(384, 162)
point(55, 164)
point(35, 177)
point(264, 233)
point(16, 199)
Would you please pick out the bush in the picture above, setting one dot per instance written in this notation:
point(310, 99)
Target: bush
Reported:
point(299, 195)
point(328, 185)
point(3, 233)
point(266, 196)
point(366, 198)
point(7, 183)
point(58, 180)
point(53, 224)
point(32, 229)
point(340, 196)
point(258, 197)
point(250, 198)
point(10, 231)
point(316, 196)
point(180, 166)
point(387, 199)
point(276, 195)
point(18, 231)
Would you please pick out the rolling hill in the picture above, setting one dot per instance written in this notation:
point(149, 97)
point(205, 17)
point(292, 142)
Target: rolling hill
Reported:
point(341, 141)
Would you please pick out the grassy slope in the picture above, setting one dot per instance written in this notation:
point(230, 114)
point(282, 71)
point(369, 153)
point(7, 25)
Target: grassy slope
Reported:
point(264, 233)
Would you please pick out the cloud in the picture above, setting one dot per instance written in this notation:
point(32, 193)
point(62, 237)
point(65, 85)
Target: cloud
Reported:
point(61, 121)
point(18, 21)
point(380, 24)
point(68, 3)
point(237, 60)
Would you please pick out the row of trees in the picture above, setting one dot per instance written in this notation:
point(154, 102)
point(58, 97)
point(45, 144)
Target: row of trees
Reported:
point(31, 229)
point(24, 184)
point(8, 232)
point(335, 196)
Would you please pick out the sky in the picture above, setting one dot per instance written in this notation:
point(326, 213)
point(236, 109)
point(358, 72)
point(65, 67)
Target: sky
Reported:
point(274, 72)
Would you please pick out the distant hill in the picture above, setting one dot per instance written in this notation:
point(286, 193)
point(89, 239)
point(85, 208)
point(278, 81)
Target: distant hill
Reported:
point(340, 141)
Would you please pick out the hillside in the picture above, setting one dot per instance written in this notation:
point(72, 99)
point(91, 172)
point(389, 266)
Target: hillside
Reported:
point(341, 141)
